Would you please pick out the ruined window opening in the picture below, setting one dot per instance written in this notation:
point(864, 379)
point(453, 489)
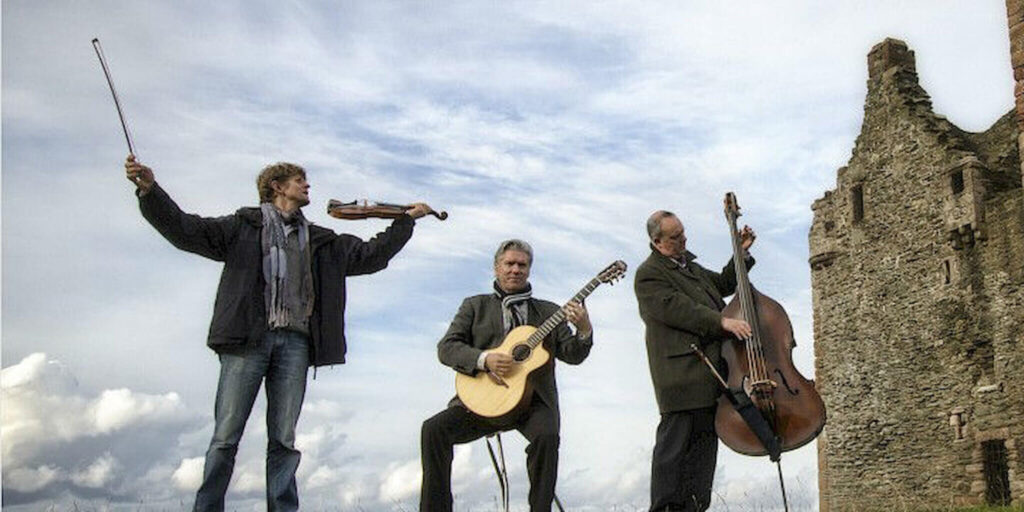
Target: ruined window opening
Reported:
point(829, 226)
point(857, 198)
point(956, 181)
point(947, 276)
point(996, 471)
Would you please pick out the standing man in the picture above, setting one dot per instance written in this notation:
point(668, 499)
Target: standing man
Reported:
point(280, 308)
point(482, 323)
point(680, 302)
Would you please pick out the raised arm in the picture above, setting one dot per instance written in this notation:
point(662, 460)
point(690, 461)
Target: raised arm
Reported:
point(726, 281)
point(373, 255)
point(209, 237)
point(369, 256)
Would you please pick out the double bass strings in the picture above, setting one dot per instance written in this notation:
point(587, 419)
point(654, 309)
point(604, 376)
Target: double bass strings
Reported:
point(756, 361)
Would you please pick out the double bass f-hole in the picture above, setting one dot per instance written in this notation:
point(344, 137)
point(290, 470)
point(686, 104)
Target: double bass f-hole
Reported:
point(782, 377)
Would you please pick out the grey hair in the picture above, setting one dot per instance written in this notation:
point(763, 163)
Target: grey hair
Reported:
point(654, 223)
point(513, 244)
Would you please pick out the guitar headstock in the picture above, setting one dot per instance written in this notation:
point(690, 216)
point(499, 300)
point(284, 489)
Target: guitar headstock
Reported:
point(732, 208)
point(612, 272)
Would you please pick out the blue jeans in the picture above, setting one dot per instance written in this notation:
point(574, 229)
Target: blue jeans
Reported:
point(282, 358)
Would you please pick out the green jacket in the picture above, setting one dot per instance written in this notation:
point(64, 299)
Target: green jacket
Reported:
point(681, 306)
point(478, 326)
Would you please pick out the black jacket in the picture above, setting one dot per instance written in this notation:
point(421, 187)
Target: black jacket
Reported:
point(239, 313)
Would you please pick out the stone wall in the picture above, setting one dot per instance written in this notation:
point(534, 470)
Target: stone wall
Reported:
point(917, 261)
point(1015, 16)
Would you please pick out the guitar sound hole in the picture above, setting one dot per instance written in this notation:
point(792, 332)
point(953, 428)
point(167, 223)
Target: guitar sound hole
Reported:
point(521, 353)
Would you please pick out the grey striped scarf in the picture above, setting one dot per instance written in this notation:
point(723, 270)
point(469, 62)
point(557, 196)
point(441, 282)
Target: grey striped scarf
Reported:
point(282, 312)
point(513, 306)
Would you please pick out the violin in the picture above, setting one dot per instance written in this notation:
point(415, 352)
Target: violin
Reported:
point(358, 210)
point(762, 366)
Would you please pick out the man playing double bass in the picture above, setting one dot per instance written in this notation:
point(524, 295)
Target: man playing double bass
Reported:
point(680, 303)
point(480, 324)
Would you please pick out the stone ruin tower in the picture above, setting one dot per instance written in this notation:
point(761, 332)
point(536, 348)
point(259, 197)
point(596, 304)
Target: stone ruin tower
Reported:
point(917, 261)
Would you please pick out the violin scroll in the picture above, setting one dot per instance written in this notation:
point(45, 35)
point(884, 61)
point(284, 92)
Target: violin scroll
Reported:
point(732, 207)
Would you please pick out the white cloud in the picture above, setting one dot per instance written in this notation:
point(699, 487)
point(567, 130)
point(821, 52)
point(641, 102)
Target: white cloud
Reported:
point(98, 474)
point(25, 479)
point(249, 478)
point(322, 476)
point(189, 474)
point(117, 408)
point(43, 408)
point(401, 481)
point(56, 436)
point(37, 374)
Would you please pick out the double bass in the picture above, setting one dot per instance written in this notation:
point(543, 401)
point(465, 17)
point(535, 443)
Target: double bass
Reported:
point(762, 367)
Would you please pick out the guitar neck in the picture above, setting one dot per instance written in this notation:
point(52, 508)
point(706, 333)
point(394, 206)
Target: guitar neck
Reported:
point(558, 316)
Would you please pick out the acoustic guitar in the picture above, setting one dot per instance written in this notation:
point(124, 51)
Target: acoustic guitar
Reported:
point(495, 397)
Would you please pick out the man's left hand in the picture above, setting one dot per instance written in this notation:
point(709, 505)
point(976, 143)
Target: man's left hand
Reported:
point(577, 314)
point(418, 210)
point(747, 237)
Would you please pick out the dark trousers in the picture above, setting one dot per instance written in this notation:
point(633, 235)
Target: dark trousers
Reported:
point(683, 465)
point(456, 425)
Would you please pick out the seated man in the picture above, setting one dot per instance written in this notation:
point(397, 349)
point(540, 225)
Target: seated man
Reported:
point(482, 323)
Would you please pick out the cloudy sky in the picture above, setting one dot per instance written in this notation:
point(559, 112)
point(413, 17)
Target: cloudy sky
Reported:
point(563, 123)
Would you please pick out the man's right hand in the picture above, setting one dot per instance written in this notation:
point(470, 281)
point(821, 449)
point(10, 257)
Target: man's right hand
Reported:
point(739, 328)
point(498, 363)
point(139, 174)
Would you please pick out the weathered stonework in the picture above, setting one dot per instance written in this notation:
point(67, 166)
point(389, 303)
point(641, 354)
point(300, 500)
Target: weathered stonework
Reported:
point(917, 261)
point(1015, 16)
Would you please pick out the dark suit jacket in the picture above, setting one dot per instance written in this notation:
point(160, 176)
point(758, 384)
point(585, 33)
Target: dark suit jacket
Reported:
point(478, 326)
point(681, 306)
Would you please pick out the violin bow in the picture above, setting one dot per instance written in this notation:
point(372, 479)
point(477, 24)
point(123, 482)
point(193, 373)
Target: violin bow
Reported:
point(117, 103)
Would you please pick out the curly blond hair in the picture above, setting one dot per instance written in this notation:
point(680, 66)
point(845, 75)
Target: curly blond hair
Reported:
point(280, 171)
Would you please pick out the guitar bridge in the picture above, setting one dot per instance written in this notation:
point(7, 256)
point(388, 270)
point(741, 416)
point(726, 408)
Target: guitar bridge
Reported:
point(497, 380)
